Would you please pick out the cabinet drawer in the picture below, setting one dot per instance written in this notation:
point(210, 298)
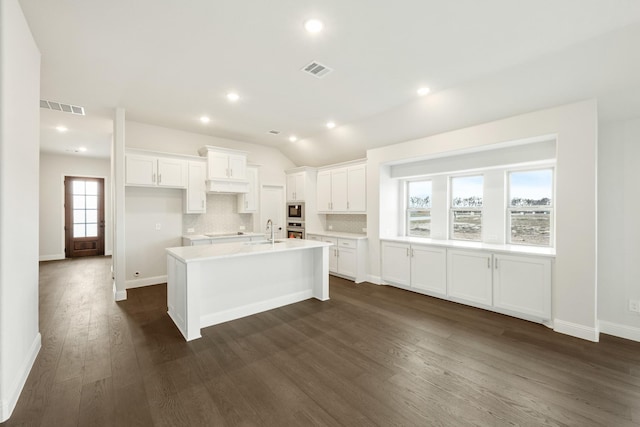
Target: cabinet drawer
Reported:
point(347, 243)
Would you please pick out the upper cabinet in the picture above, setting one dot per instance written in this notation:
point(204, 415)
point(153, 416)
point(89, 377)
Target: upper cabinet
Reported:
point(155, 170)
point(248, 202)
point(195, 199)
point(295, 186)
point(342, 189)
point(226, 170)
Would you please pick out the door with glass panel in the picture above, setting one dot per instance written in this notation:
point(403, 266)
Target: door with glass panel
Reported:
point(84, 216)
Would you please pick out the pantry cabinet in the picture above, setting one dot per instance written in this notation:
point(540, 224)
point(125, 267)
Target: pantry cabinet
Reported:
point(195, 198)
point(145, 170)
point(342, 190)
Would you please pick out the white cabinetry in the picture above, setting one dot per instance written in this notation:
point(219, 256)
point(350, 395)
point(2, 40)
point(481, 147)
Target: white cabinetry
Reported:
point(226, 170)
point(296, 186)
point(146, 170)
point(342, 190)
point(417, 267)
point(248, 202)
point(347, 257)
point(195, 199)
point(522, 284)
point(469, 275)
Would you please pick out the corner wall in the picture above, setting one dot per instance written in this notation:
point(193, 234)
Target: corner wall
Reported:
point(19, 162)
point(575, 127)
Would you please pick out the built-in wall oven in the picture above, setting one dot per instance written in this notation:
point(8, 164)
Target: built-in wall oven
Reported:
point(295, 212)
point(295, 230)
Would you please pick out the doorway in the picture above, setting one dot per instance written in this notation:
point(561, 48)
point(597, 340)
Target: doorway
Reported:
point(84, 216)
point(272, 207)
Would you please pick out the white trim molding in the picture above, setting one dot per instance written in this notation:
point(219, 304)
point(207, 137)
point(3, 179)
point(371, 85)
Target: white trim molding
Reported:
point(7, 405)
point(56, 257)
point(576, 330)
point(621, 331)
point(376, 280)
point(119, 295)
point(147, 281)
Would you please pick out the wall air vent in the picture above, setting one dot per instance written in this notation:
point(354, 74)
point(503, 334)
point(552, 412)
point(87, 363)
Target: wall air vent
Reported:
point(316, 69)
point(65, 108)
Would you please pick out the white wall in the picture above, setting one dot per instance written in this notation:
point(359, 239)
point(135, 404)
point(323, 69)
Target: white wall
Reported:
point(53, 168)
point(575, 127)
point(619, 227)
point(145, 207)
point(19, 146)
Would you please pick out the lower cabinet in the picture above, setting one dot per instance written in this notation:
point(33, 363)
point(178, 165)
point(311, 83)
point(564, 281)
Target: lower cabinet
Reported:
point(346, 256)
point(517, 285)
point(417, 267)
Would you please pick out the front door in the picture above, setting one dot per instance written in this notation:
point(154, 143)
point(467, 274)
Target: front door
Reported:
point(84, 216)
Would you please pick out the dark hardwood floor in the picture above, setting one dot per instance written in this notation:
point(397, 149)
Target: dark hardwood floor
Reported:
point(372, 355)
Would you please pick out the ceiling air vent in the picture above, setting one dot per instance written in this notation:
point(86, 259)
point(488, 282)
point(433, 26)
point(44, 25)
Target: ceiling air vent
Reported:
point(316, 69)
point(274, 132)
point(65, 108)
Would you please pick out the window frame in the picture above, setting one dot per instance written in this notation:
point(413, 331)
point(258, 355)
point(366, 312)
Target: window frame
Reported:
point(453, 210)
point(509, 209)
point(408, 210)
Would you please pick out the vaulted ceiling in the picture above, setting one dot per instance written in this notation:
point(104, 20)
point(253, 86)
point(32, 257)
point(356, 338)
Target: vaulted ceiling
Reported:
point(170, 62)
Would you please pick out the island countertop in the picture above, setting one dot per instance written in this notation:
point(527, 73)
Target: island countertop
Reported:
point(189, 254)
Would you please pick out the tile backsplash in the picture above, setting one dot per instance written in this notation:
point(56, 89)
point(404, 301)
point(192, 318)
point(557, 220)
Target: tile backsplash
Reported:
point(347, 223)
point(222, 216)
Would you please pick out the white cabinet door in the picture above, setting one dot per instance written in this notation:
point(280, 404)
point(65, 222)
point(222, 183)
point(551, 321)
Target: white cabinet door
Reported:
point(324, 191)
point(339, 183)
point(195, 200)
point(248, 202)
point(291, 187)
point(469, 276)
point(296, 186)
point(357, 189)
point(140, 170)
point(347, 261)
point(396, 263)
point(237, 166)
point(171, 173)
point(429, 269)
point(333, 253)
point(218, 165)
point(313, 237)
point(523, 284)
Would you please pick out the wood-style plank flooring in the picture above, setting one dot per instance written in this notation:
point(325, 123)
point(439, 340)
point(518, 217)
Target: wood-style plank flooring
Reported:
point(372, 355)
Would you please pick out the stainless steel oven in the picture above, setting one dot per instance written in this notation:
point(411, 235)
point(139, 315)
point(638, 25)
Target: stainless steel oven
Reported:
point(295, 212)
point(295, 230)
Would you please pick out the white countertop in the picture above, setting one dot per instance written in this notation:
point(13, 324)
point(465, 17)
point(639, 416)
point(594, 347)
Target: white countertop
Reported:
point(235, 249)
point(340, 234)
point(221, 235)
point(460, 244)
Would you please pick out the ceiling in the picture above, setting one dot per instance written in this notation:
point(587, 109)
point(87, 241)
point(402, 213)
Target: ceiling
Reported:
point(170, 62)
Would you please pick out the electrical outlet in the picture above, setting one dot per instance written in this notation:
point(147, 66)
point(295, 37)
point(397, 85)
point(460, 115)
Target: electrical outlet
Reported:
point(191, 230)
point(242, 228)
point(331, 227)
point(634, 305)
point(158, 225)
point(364, 229)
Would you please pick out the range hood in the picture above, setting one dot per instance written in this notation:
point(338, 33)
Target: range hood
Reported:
point(227, 186)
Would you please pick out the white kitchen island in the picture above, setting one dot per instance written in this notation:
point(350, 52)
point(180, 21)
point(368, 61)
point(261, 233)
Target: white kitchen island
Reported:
point(211, 284)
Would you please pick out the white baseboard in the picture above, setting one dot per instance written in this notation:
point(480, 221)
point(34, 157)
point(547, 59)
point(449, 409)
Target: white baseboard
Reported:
point(108, 253)
point(147, 281)
point(249, 309)
point(8, 404)
point(576, 330)
point(119, 295)
point(55, 257)
point(621, 331)
point(376, 280)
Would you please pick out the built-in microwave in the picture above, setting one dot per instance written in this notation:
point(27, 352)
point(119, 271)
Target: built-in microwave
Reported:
point(295, 212)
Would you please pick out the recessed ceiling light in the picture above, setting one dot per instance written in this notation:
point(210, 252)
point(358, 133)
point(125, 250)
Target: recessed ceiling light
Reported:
point(205, 119)
point(331, 125)
point(82, 149)
point(233, 97)
point(61, 128)
point(423, 91)
point(293, 138)
point(313, 25)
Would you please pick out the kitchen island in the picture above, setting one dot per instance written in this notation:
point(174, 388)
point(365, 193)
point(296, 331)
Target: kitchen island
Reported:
point(211, 284)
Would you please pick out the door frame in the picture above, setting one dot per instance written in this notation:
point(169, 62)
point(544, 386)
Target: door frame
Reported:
point(106, 203)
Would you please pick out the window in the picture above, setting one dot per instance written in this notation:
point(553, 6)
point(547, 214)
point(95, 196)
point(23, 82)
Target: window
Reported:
point(466, 208)
point(419, 208)
point(530, 207)
point(85, 208)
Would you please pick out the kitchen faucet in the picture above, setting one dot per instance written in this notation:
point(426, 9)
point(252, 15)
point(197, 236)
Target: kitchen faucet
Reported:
point(270, 227)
